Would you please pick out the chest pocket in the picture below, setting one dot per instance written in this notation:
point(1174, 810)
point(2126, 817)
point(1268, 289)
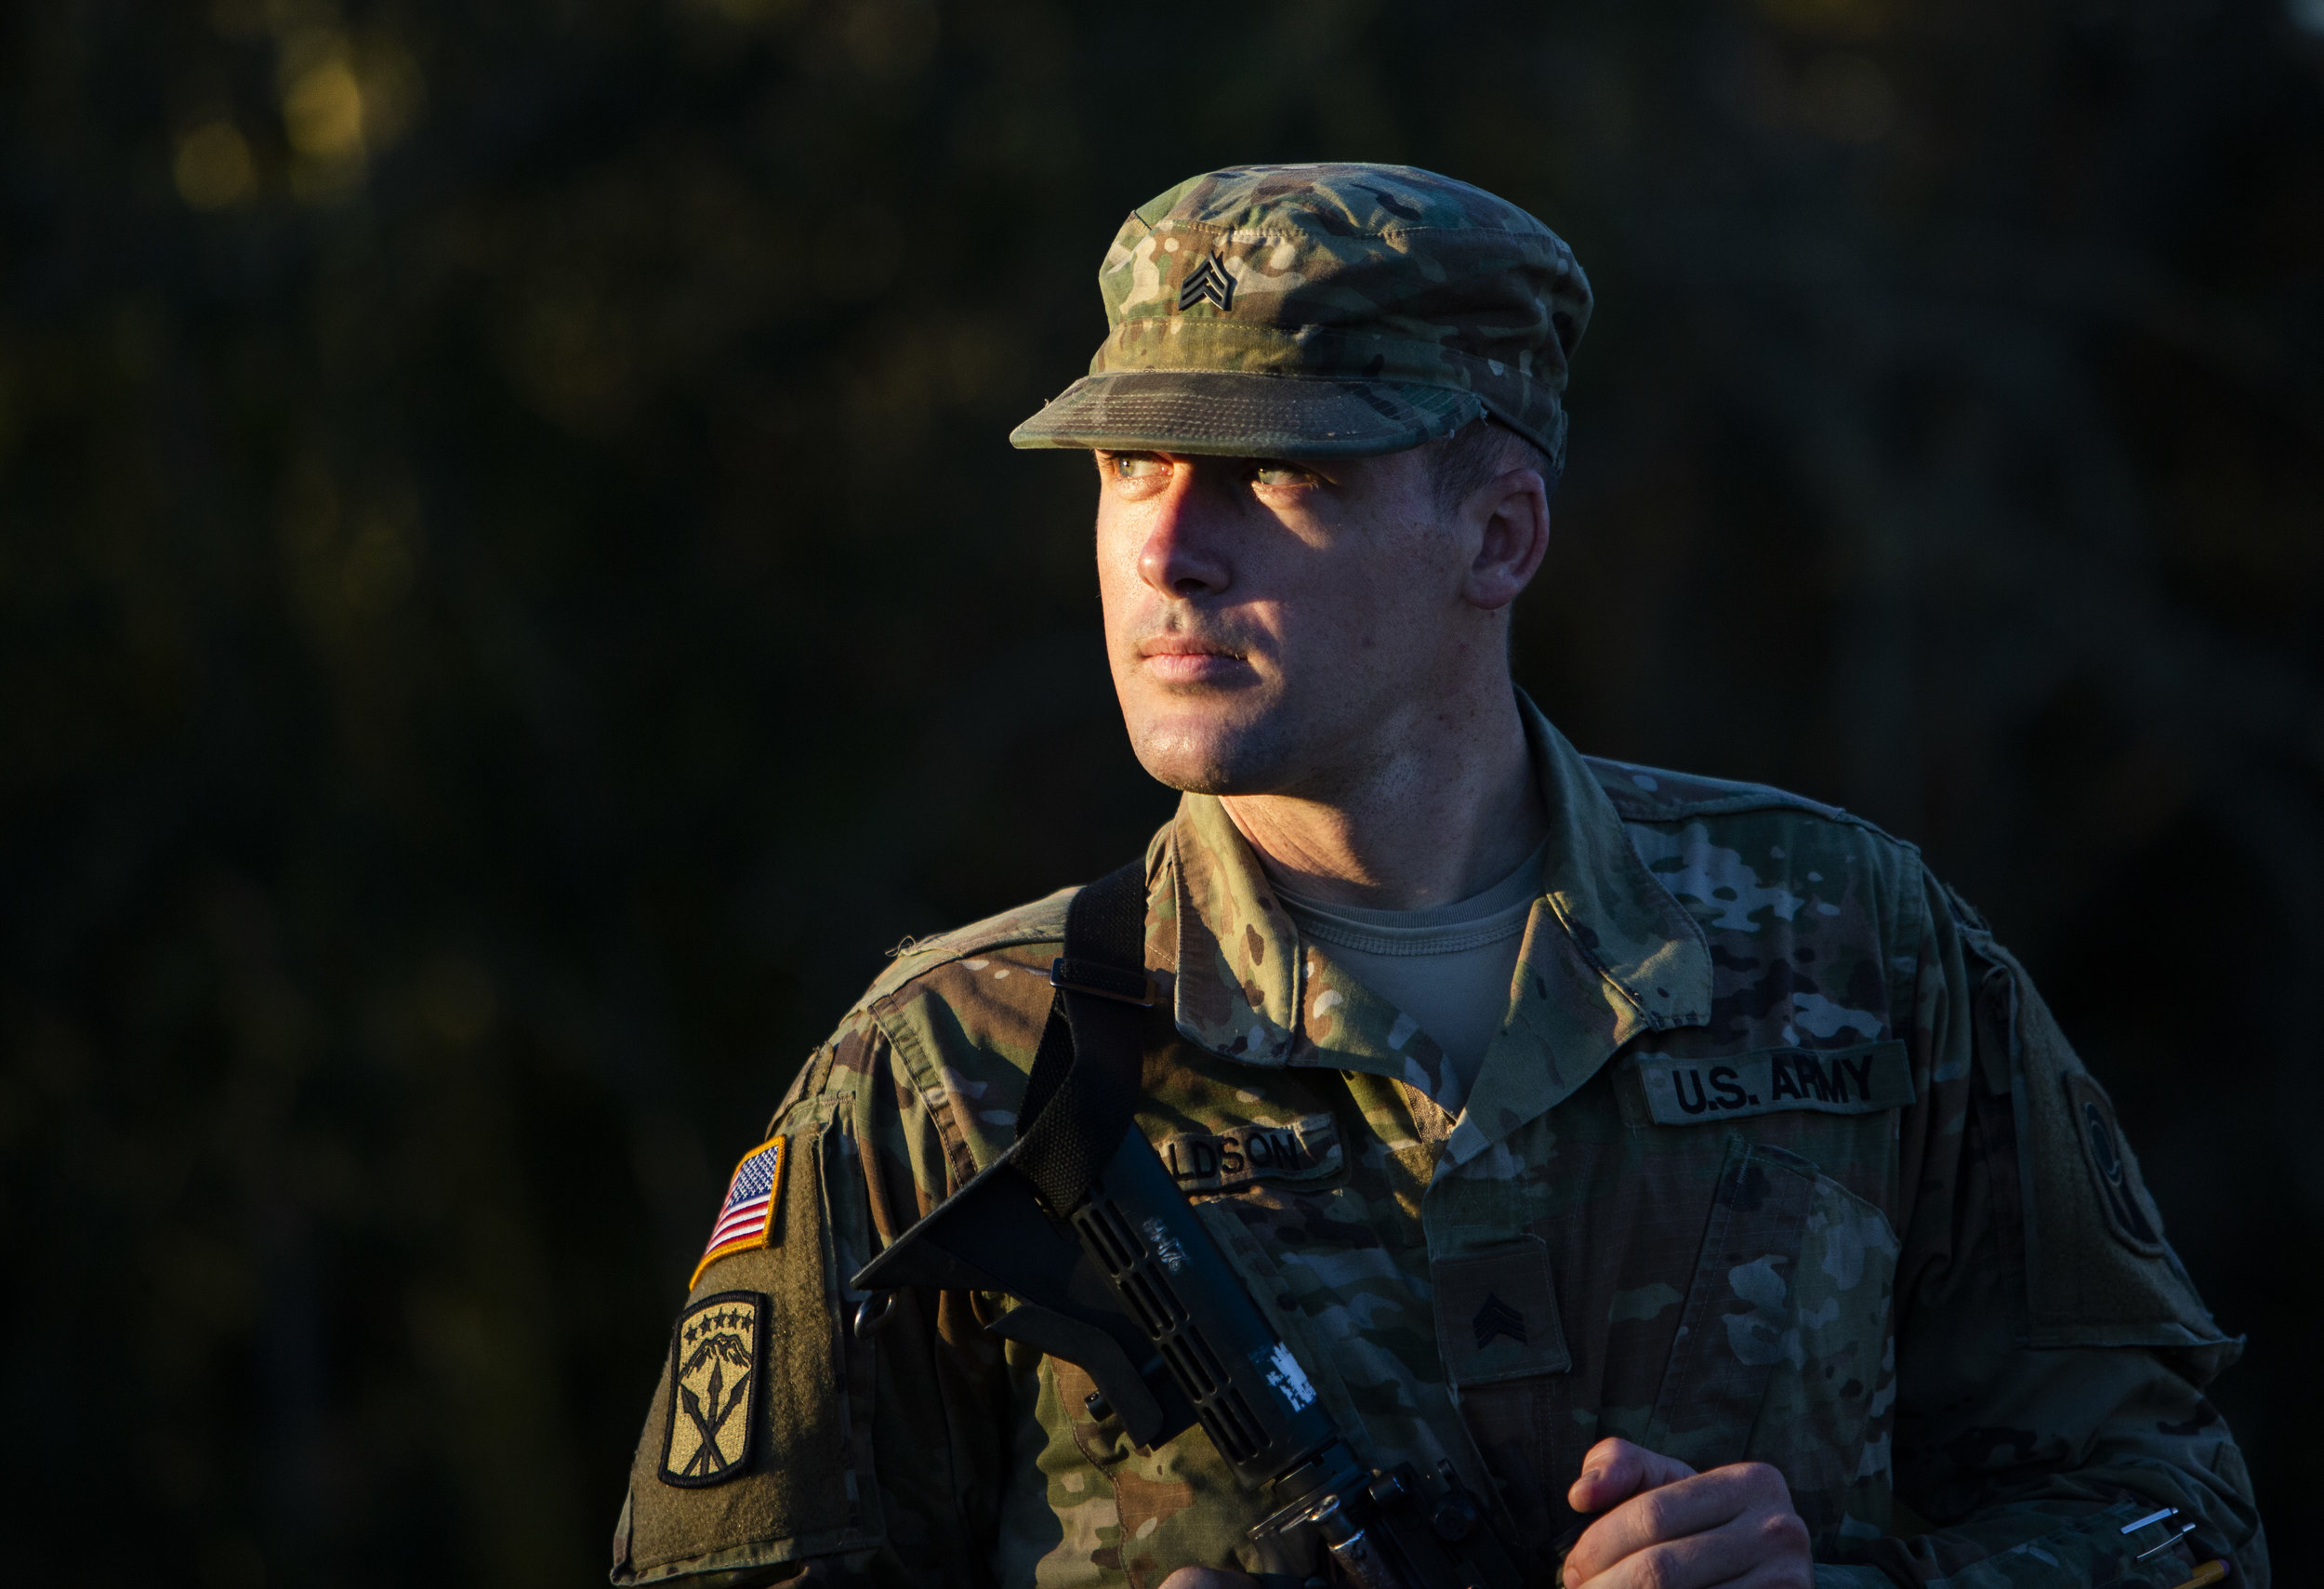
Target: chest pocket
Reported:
point(1784, 1353)
point(1504, 1350)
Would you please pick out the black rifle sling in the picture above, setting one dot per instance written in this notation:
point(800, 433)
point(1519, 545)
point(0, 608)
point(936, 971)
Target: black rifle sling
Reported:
point(1085, 1075)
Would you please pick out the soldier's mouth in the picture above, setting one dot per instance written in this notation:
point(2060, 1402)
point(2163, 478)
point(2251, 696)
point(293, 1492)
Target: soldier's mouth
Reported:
point(1181, 659)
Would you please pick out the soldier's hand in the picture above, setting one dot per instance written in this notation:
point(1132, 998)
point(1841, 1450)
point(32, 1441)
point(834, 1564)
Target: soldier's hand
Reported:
point(1210, 1578)
point(1668, 1526)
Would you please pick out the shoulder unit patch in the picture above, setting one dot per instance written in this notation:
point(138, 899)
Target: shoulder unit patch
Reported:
point(747, 1217)
point(713, 1379)
point(2110, 1165)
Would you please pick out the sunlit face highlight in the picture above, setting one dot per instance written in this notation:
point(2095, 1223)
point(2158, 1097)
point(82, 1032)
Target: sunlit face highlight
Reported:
point(1268, 621)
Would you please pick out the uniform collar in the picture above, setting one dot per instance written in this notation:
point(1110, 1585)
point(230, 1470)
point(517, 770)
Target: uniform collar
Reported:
point(1608, 954)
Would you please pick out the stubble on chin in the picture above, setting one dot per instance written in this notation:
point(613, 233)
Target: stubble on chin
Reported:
point(1197, 752)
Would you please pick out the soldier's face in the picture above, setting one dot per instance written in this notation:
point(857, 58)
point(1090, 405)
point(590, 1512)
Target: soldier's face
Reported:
point(1274, 626)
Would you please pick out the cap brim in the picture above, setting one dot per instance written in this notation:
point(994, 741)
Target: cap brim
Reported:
point(1236, 415)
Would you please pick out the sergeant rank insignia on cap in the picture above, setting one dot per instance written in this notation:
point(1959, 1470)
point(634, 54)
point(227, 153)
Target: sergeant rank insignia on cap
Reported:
point(714, 1359)
point(746, 1218)
point(1208, 280)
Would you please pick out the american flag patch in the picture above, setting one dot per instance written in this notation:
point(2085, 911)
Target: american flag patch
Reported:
point(746, 1218)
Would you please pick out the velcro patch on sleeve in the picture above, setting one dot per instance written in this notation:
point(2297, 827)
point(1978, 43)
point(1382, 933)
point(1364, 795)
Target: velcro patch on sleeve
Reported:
point(747, 1216)
point(1233, 1157)
point(1858, 1080)
point(715, 1355)
point(2109, 1163)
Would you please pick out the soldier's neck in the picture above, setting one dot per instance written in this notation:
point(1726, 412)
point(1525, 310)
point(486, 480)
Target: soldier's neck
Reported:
point(1441, 813)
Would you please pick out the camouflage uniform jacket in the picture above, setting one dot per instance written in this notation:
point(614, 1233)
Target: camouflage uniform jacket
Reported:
point(1778, 1158)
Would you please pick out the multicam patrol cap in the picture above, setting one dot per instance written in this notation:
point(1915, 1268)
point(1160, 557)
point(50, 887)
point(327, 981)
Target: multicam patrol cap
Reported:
point(1327, 310)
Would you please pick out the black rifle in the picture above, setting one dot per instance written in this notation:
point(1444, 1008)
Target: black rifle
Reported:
point(1113, 1270)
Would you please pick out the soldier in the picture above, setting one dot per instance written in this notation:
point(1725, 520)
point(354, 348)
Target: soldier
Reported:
point(1672, 1155)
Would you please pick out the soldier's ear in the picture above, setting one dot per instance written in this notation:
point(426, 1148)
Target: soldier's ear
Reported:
point(1511, 516)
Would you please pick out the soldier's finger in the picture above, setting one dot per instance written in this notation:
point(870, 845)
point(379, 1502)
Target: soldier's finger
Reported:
point(1687, 1507)
point(1614, 1470)
point(1758, 1550)
point(1210, 1578)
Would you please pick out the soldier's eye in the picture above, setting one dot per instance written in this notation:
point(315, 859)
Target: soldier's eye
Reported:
point(1133, 465)
point(1274, 472)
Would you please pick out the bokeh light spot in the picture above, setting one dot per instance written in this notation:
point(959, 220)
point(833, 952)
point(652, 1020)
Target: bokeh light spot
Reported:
point(213, 169)
point(323, 114)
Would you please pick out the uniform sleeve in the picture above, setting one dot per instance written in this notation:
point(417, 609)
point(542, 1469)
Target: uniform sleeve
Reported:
point(876, 1460)
point(2052, 1352)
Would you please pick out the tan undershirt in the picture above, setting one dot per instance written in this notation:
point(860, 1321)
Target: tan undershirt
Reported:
point(1449, 967)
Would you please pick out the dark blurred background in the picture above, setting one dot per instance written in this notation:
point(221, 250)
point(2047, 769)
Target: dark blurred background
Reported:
point(513, 595)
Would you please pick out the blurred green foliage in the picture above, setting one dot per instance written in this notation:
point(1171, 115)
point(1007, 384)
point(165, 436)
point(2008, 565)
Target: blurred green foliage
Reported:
point(513, 594)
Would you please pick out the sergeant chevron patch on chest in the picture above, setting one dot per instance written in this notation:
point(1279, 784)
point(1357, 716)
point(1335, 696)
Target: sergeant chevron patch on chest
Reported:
point(1497, 1315)
point(716, 1353)
point(1858, 1080)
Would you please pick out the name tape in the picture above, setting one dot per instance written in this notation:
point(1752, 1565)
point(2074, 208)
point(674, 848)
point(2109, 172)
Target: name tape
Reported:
point(1235, 1156)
